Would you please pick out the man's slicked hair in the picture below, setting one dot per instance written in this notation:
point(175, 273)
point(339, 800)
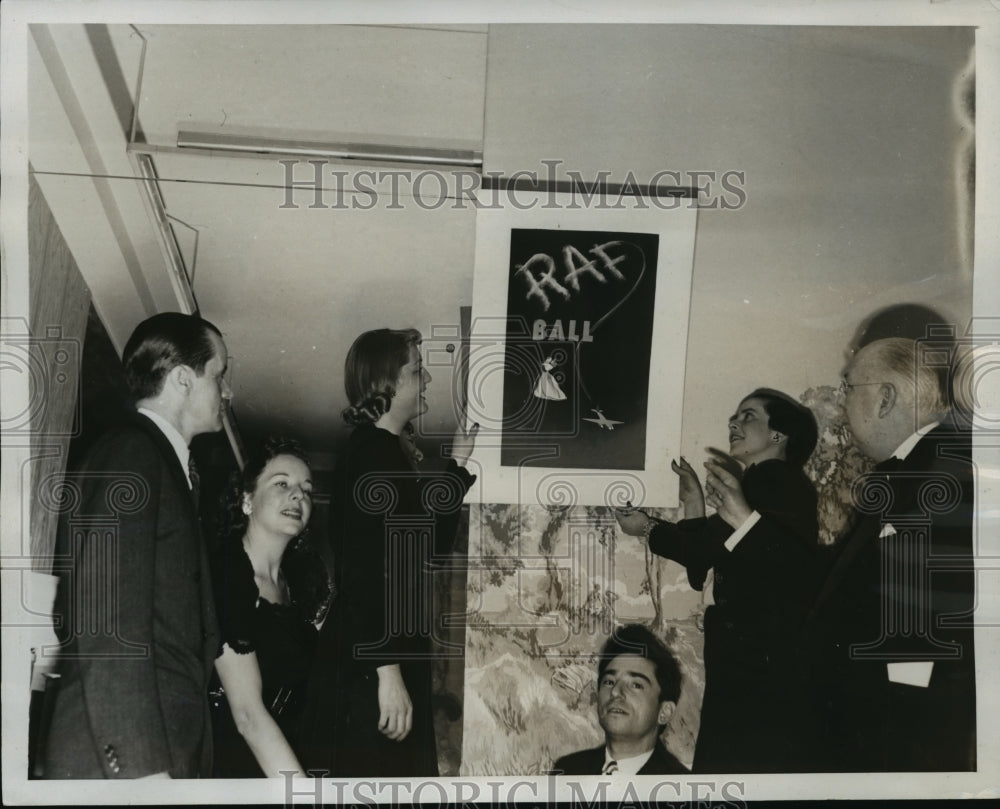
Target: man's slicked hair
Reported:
point(161, 343)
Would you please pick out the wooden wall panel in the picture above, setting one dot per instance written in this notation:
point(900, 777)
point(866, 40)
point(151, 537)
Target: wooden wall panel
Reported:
point(58, 303)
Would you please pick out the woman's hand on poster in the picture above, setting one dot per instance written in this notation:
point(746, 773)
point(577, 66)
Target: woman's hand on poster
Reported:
point(634, 522)
point(689, 489)
point(725, 495)
point(395, 710)
point(463, 443)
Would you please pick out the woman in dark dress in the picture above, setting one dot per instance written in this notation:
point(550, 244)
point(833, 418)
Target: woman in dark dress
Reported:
point(390, 522)
point(757, 555)
point(271, 589)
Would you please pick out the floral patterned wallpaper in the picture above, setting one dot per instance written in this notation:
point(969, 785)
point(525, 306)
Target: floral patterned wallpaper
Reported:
point(547, 585)
point(835, 463)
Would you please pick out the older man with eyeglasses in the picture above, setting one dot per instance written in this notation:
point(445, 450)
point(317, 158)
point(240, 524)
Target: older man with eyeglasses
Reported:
point(889, 642)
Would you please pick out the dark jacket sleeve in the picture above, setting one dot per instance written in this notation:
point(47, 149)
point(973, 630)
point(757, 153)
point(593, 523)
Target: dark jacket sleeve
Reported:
point(695, 543)
point(782, 543)
point(441, 495)
point(784, 496)
point(782, 547)
point(786, 502)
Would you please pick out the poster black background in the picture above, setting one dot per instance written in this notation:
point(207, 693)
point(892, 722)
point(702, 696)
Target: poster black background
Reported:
point(610, 373)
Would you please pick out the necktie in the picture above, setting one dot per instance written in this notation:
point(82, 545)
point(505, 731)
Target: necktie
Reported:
point(195, 479)
point(610, 768)
point(708, 588)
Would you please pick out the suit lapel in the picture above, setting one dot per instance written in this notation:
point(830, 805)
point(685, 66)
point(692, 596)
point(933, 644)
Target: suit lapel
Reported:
point(661, 761)
point(598, 760)
point(865, 530)
point(645, 768)
point(868, 526)
point(177, 473)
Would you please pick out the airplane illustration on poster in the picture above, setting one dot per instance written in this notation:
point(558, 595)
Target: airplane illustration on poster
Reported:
point(601, 421)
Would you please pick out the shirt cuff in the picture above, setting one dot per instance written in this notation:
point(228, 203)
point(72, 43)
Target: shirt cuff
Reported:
point(916, 673)
point(742, 531)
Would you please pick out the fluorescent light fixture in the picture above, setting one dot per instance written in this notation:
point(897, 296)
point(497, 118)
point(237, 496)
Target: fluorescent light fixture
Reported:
point(145, 171)
point(362, 152)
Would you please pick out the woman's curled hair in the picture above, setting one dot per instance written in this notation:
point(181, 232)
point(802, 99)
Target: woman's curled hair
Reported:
point(370, 372)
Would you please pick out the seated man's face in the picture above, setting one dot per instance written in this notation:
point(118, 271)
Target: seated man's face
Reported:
point(628, 700)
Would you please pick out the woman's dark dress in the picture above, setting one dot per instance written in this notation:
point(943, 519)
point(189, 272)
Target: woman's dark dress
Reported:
point(284, 638)
point(752, 717)
point(388, 522)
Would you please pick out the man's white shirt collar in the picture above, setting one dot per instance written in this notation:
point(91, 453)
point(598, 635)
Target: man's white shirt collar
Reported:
point(907, 446)
point(174, 437)
point(628, 766)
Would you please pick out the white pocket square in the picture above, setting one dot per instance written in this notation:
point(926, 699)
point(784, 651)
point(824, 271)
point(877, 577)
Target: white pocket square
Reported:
point(917, 673)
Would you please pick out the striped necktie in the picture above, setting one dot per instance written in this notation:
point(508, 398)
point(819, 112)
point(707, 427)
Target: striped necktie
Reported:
point(610, 768)
point(195, 479)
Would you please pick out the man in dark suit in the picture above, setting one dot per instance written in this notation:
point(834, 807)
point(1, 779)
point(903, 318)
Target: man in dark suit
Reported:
point(889, 641)
point(134, 610)
point(639, 683)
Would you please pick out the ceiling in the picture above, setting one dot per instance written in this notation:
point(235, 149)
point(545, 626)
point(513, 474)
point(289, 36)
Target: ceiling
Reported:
point(291, 284)
point(851, 143)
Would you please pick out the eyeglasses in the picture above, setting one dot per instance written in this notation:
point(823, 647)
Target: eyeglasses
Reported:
point(845, 386)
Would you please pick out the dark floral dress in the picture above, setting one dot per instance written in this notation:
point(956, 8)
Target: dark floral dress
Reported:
point(284, 638)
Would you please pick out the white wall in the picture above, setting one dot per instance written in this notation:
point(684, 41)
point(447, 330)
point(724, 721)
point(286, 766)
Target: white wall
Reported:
point(847, 138)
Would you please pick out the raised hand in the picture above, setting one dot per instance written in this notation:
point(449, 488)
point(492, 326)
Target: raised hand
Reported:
point(633, 521)
point(463, 443)
point(726, 461)
point(689, 489)
point(726, 495)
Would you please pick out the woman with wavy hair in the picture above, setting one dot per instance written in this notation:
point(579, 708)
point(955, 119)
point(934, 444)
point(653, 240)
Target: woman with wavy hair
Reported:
point(390, 521)
point(271, 590)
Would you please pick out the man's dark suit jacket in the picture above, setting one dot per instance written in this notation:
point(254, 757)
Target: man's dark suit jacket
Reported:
point(901, 597)
point(138, 628)
point(752, 709)
point(591, 762)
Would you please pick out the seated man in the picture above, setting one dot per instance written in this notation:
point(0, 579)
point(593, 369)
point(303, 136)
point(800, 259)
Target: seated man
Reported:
point(639, 683)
